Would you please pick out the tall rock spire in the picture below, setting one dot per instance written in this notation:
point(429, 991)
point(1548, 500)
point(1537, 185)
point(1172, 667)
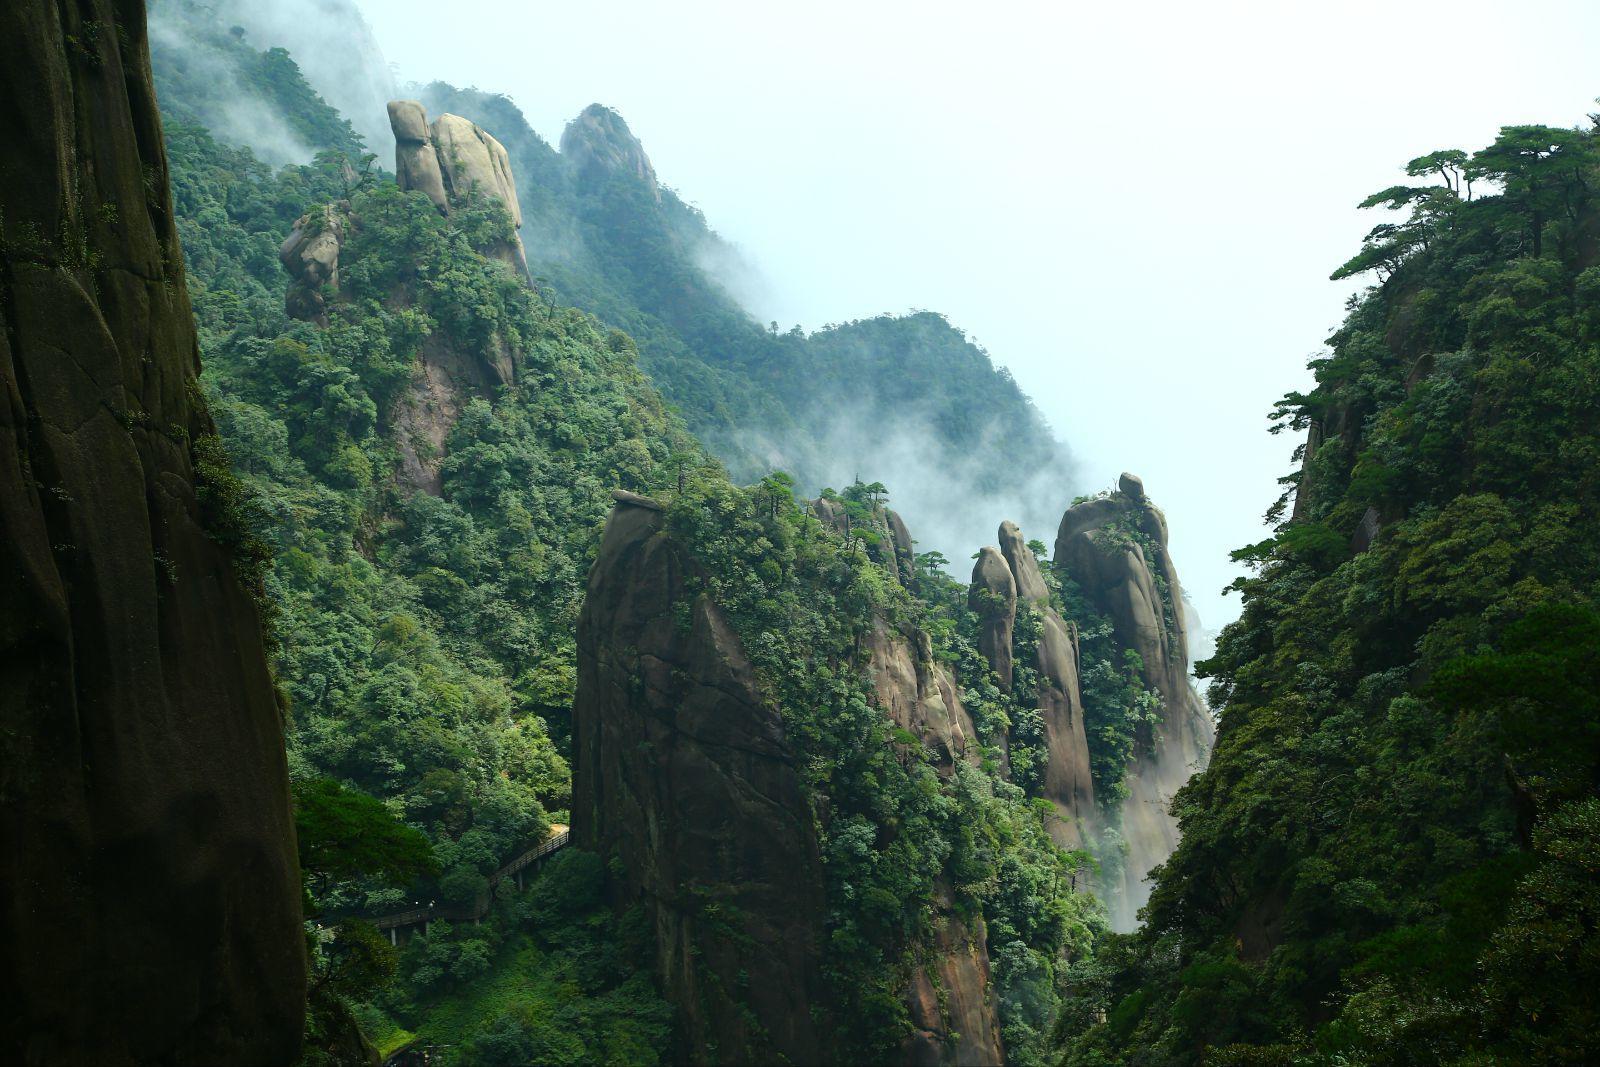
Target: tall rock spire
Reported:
point(993, 597)
point(1067, 781)
point(1115, 548)
point(451, 160)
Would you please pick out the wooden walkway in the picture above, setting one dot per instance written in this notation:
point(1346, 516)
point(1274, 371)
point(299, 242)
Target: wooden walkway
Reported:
point(424, 914)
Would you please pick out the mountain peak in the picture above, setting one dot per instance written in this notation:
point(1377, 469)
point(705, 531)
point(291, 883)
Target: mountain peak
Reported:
point(599, 143)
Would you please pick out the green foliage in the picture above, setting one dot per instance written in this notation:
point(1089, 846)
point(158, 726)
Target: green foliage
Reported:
point(1119, 715)
point(1390, 857)
point(344, 835)
point(551, 976)
point(425, 638)
point(425, 641)
point(428, 588)
point(801, 596)
point(208, 75)
point(756, 396)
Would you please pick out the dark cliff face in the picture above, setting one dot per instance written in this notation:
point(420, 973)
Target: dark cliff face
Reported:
point(151, 892)
point(681, 772)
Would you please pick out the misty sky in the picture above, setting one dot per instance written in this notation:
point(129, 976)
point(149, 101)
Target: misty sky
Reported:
point(1134, 206)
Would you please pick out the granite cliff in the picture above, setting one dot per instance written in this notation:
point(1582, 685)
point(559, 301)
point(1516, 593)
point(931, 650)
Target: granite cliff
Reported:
point(1115, 548)
point(689, 776)
point(151, 893)
point(452, 160)
point(684, 773)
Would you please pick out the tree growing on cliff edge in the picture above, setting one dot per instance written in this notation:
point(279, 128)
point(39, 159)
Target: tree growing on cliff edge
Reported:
point(1392, 856)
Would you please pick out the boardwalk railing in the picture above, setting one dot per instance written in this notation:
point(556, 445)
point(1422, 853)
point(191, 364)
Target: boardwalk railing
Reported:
point(533, 855)
point(424, 914)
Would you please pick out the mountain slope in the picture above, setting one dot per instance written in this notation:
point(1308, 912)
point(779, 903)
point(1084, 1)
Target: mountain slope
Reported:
point(1391, 856)
point(905, 399)
point(432, 446)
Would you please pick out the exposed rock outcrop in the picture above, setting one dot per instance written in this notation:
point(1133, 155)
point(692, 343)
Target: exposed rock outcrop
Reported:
point(950, 1000)
point(444, 379)
point(448, 161)
point(473, 161)
point(1367, 531)
point(904, 547)
point(311, 256)
point(1068, 784)
point(599, 144)
point(683, 772)
point(149, 890)
point(884, 545)
point(451, 160)
point(1024, 567)
point(1115, 549)
point(919, 694)
point(993, 596)
point(416, 163)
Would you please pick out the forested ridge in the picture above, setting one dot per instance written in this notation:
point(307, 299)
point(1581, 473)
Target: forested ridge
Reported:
point(423, 636)
point(1392, 857)
point(824, 405)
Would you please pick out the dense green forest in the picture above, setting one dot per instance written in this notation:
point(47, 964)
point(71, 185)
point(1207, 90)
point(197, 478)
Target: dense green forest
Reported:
point(848, 399)
point(413, 657)
point(1391, 858)
point(424, 644)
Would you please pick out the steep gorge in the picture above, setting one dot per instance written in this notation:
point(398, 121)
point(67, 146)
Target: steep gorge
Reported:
point(788, 755)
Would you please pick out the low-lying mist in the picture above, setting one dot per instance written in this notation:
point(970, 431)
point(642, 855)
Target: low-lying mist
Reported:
point(233, 113)
point(337, 53)
point(952, 500)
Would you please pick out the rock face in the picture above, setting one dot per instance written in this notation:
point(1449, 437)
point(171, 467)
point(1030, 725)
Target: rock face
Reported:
point(959, 1028)
point(311, 256)
point(599, 144)
point(682, 771)
point(885, 546)
point(151, 895)
point(904, 547)
point(993, 596)
point(1024, 567)
point(416, 163)
point(1068, 784)
point(919, 694)
point(451, 160)
point(1115, 548)
point(473, 161)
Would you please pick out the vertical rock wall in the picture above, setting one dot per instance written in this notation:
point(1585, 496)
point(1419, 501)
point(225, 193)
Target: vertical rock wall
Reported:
point(682, 773)
point(149, 891)
point(1067, 781)
point(992, 596)
point(1115, 548)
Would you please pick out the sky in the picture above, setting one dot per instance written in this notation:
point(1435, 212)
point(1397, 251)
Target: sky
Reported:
point(1133, 206)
